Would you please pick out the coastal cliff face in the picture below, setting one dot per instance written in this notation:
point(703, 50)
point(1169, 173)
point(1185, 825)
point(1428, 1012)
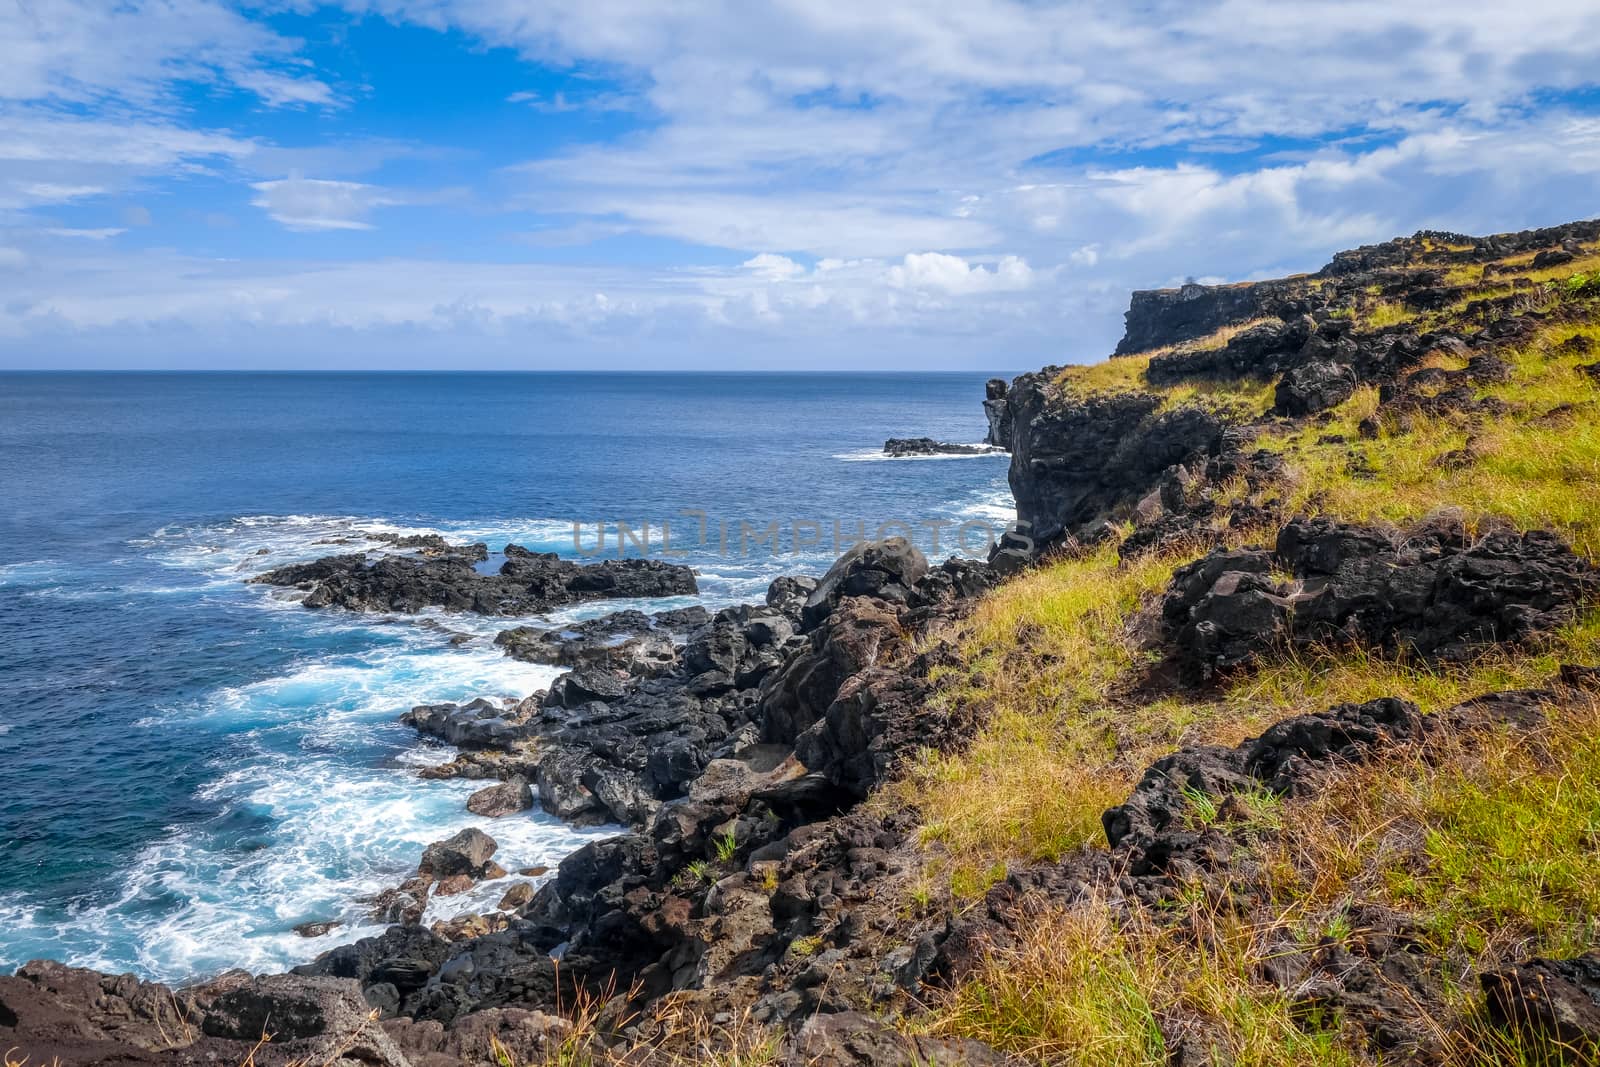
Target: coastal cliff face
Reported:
point(1281, 749)
point(1086, 454)
point(1158, 317)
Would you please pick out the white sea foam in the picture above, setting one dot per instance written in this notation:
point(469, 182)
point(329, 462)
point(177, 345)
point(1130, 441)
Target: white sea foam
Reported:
point(195, 902)
point(31, 572)
point(326, 820)
point(318, 797)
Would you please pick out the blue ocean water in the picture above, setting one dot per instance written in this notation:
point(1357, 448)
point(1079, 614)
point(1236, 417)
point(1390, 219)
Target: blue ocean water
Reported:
point(196, 764)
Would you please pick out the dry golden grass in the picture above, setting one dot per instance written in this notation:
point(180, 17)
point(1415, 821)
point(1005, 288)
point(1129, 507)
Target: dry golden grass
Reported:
point(675, 1032)
point(1109, 983)
point(1040, 654)
point(1090, 377)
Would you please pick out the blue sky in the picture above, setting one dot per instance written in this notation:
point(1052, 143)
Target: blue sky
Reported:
point(796, 184)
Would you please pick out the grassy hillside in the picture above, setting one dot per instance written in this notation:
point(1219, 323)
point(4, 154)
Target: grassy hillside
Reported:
point(1486, 851)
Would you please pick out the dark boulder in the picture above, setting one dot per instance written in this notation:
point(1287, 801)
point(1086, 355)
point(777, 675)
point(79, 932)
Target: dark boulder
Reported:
point(1552, 257)
point(506, 798)
point(788, 595)
point(853, 638)
point(888, 570)
point(577, 688)
point(479, 724)
point(469, 852)
point(1434, 591)
point(1313, 387)
point(1548, 1000)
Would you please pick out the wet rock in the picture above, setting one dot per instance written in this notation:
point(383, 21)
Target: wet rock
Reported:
point(467, 926)
point(516, 896)
point(317, 928)
point(404, 903)
point(927, 446)
point(507, 798)
point(468, 853)
point(478, 724)
point(529, 583)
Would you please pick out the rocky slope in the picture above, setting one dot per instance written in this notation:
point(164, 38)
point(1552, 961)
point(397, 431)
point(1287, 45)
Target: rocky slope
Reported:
point(1281, 748)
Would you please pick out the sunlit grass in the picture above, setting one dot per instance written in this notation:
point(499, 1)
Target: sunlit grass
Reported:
point(1492, 847)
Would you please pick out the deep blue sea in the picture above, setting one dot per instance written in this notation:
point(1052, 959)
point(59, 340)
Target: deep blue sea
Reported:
point(195, 764)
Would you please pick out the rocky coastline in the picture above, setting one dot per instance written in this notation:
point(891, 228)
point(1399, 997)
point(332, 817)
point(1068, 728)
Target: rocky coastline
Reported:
point(758, 886)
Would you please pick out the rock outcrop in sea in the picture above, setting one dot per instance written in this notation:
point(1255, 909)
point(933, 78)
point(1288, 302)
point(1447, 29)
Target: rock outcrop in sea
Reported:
point(527, 583)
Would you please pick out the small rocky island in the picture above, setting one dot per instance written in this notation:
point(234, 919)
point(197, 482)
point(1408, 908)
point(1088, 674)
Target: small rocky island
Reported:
point(901, 447)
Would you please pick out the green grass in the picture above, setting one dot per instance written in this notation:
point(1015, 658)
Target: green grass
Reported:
point(1510, 844)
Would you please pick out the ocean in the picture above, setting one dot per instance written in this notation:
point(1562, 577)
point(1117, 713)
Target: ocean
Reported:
point(195, 764)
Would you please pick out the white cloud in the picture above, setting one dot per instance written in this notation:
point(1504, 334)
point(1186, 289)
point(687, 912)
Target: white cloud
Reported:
point(562, 102)
point(952, 274)
point(48, 158)
point(102, 234)
point(302, 203)
point(774, 267)
point(135, 50)
point(12, 259)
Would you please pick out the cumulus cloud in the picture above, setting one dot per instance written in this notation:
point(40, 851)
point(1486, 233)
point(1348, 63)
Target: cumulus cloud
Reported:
point(768, 265)
point(952, 274)
point(302, 203)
